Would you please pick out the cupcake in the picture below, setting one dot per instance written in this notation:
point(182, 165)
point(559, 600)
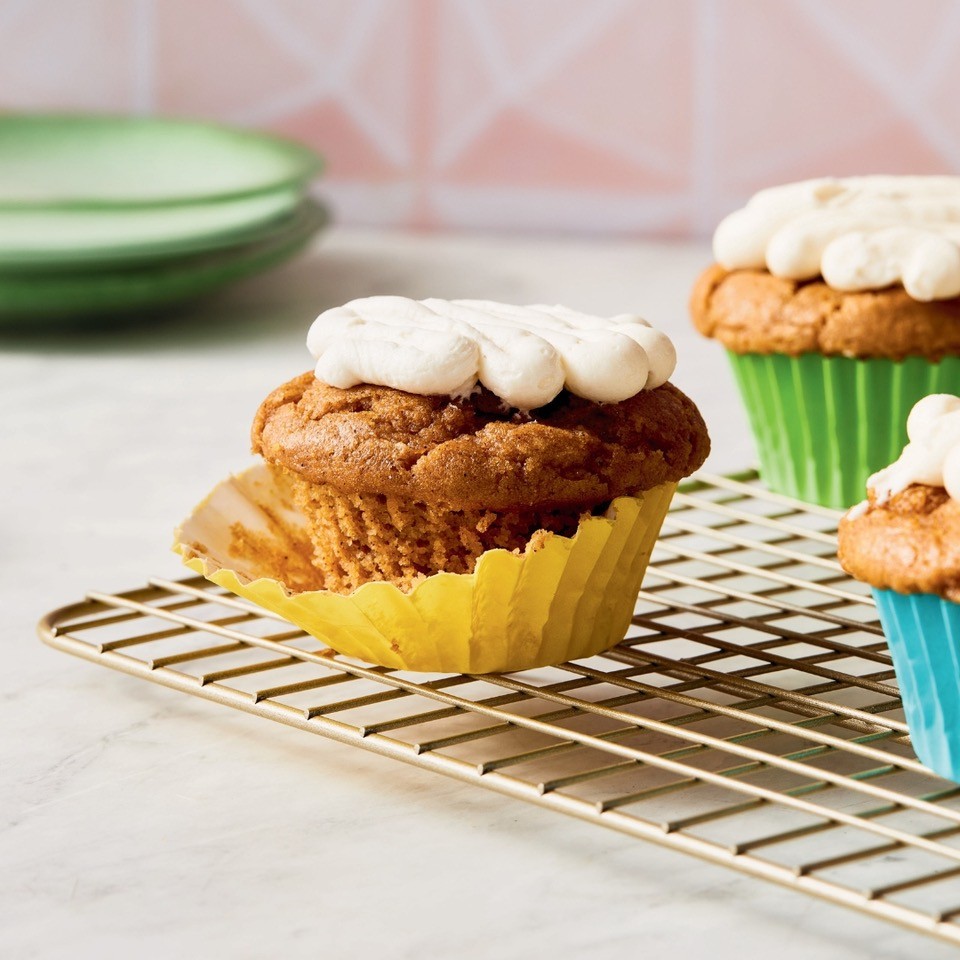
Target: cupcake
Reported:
point(458, 485)
point(839, 304)
point(905, 542)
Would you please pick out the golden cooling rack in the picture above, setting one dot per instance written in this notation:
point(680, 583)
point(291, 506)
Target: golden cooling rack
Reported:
point(750, 717)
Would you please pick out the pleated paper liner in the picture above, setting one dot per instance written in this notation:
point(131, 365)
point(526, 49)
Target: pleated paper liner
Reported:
point(569, 598)
point(823, 425)
point(923, 633)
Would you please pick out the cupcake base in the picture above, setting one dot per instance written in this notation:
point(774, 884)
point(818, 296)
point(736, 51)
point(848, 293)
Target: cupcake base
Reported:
point(361, 537)
point(923, 633)
point(562, 598)
point(823, 425)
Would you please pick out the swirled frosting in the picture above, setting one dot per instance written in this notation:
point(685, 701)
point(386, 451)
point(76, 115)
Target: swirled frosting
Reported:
point(858, 233)
point(932, 456)
point(525, 355)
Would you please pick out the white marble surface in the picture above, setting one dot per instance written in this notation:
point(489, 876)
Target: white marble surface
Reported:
point(137, 822)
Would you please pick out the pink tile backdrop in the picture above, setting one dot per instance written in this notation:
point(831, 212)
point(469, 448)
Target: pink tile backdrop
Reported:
point(613, 116)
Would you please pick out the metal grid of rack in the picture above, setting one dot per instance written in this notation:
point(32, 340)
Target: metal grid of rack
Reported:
point(750, 716)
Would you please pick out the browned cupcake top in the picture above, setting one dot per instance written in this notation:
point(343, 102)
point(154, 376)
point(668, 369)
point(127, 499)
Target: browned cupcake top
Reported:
point(910, 543)
point(471, 452)
point(752, 311)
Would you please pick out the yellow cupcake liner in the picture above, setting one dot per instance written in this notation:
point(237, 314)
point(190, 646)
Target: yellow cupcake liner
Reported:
point(565, 599)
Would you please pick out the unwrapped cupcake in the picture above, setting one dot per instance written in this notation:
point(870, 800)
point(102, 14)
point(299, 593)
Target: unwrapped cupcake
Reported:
point(839, 304)
point(905, 542)
point(458, 486)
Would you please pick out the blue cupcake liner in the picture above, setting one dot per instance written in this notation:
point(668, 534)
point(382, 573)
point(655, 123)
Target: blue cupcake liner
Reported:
point(923, 633)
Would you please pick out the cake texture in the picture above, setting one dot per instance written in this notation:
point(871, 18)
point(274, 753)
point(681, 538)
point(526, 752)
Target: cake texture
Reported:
point(472, 453)
point(909, 543)
point(403, 485)
point(906, 535)
point(838, 301)
point(752, 311)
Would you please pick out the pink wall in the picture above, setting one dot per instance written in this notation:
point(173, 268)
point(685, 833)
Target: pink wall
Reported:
point(615, 116)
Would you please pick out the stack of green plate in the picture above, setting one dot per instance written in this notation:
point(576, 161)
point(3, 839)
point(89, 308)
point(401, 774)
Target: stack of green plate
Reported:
point(107, 215)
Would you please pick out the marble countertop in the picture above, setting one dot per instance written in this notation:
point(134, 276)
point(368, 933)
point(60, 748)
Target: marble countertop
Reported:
point(135, 821)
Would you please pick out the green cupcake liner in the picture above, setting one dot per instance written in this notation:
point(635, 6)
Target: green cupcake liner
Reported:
point(823, 425)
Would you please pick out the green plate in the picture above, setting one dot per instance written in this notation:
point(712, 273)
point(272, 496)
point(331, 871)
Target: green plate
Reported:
point(82, 162)
point(56, 296)
point(59, 239)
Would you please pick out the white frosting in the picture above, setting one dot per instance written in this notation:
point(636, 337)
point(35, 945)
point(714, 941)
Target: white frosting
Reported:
point(525, 355)
point(932, 456)
point(858, 233)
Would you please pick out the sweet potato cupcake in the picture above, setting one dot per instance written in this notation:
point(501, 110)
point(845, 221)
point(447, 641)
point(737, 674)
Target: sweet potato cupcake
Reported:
point(458, 486)
point(839, 304)
point(905, 542)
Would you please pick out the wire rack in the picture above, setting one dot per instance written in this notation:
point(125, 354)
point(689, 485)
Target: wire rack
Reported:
point(750, 716)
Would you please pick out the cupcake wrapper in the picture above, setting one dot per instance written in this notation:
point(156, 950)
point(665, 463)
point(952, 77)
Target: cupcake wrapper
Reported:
point(923, 633)
point(823, 425)
point(569, 598)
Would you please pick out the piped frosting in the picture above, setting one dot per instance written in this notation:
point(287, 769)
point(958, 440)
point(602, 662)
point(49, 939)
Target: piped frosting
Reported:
point(524, 355)
point(858, 233)
point(932, 456)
